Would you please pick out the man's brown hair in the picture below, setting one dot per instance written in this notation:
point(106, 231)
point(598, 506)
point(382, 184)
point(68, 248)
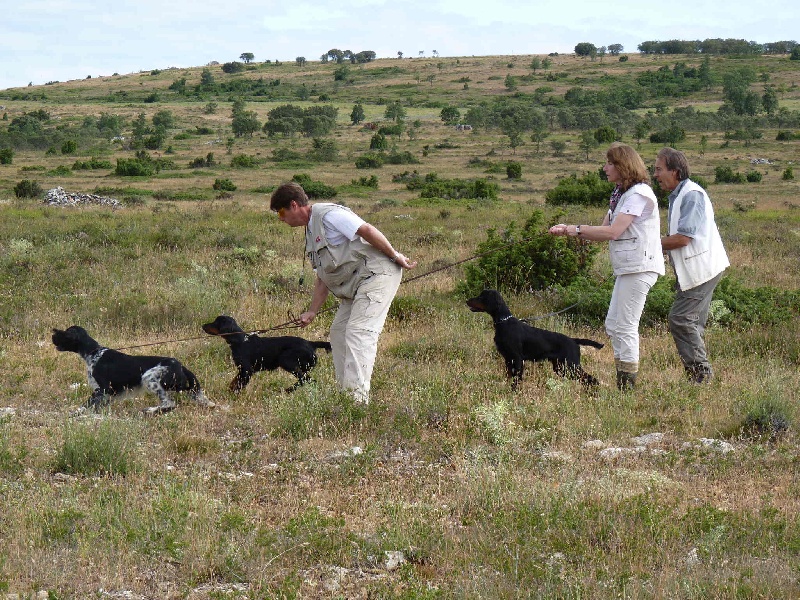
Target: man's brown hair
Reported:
point(286, 194)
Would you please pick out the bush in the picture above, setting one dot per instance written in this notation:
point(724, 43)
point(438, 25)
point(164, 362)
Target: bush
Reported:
point(753, 176)
point(323, 150)
point(200, 162)
point(371, 182)
point(787, 136)
point(93, 163)
point(589, 190)
point(605, 134)
point(314, 189)
point(233, 67)
point(524, 260)
point(134, 167)
point(670, 136)
point(6, 156)
point(514, 170)
point(457, 189)
point(224, 185)
point(378, 142)
point(788, 174)
point(724, 174)
point(27, 189)
point(69, 147)
point(371, 160)
point(245, 161)
point(401, 158)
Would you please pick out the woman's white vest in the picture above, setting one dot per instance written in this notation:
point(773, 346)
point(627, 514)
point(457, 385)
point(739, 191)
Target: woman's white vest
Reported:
point(705, 257)
point(344, 267)
point(638, 250)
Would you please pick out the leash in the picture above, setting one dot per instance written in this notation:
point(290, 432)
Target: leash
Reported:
point(294, 324)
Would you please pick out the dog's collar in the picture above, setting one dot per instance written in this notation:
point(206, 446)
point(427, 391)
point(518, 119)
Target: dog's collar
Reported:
point(503, 320)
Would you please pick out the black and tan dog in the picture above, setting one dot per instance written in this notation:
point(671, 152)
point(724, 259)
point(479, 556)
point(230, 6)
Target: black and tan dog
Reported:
point(111, 372)
point(252, 353)
point(517, 342)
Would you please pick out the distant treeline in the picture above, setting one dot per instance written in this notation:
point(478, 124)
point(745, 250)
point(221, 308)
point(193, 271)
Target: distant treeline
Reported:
point(716, 46)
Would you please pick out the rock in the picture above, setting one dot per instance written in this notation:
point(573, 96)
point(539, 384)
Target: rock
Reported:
point(394, 558)
point(59, 197)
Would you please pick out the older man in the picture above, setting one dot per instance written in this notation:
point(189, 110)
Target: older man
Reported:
point(698, 256)
point(353, 260)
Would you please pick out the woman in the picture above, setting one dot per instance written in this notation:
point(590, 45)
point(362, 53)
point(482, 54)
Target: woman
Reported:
point(632, 229)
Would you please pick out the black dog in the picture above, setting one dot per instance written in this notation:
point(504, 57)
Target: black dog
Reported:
point(252, 353)
point(111, 372)
point(517, 342)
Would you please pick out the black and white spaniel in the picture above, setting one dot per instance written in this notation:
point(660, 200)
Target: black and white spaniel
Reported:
point(111, 372)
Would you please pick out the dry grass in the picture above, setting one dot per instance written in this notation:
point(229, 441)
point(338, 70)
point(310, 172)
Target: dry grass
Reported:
point(488, 493)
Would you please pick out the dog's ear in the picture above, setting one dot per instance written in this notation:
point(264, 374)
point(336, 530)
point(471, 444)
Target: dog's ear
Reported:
point(210, 329)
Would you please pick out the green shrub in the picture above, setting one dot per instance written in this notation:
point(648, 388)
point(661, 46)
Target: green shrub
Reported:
point(402, 158)
point(787, 136)
point(378, 142)
point(245, 161)
point(69, 147)
point(6, 156)
point(199, 163)
point(454, 189)
point(588, 190)
point(371, 182)
point(788, 174)
point(605, 134)
point(524, 260)
point(724, 174)
point(371, 160)
point(93, 163)
point(28, 189)
point(764, 305)
point(670, 136)
point(134, 167)
point(514, 170)
point(285, 155)
point(314, 189)
point(224, 185)
point(323, 150)
point(753, 176)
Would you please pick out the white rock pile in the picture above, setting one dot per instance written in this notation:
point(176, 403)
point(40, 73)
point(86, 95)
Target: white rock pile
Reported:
point(59, 197)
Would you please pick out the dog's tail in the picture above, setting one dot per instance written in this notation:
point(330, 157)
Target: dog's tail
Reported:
point(325, 345)
point(191, 383)
point(585, 342)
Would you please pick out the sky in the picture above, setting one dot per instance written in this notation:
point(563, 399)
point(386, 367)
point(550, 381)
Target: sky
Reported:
point(60, 40)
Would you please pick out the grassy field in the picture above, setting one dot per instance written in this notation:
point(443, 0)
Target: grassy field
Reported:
point(448, 485)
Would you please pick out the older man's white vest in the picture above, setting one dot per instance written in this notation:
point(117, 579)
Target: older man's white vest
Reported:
point(638, 249)
point(705, 257)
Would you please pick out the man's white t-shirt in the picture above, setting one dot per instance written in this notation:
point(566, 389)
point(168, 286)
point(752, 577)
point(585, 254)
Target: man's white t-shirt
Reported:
point(340, 225)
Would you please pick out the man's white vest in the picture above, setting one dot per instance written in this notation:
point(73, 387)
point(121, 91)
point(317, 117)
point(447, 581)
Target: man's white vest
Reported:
point(638, 250)
point(342, 268)
point(705, 257)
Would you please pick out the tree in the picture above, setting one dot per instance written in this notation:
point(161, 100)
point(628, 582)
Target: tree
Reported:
point(615, 49)
point(588, 142)
point(510, 83)
point(605, 134)
point(450, 115)
point(232, 67)
point(164, 119)
point(336, 55)
point(395, 112)
point(641, 130)
point(357, 115)
point(300, 61)
point(586, 49)
point(769, 100)
point(546, 62)
point(399, 54)
point(536, 64)
point(207, 82)
point(539, 135)
point(244, 122)
point(247, 57)
point(435, 53)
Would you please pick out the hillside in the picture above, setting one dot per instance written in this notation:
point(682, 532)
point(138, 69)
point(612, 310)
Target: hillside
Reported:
point(449, 484)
